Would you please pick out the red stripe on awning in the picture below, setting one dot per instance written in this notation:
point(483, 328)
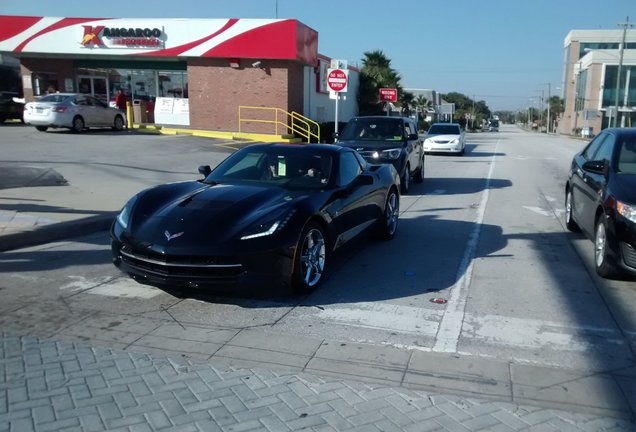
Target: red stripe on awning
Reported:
point(14, 25)
point(66, 22)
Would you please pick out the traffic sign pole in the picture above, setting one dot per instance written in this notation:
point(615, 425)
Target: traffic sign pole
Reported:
point(337, 80)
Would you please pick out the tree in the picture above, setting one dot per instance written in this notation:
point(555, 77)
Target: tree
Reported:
point(376, 72)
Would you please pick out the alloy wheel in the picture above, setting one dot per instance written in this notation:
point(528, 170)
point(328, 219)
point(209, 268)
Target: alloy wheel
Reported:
point(312, 257)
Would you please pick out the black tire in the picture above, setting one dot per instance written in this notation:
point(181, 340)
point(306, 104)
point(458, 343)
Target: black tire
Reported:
point(569, 219)
point(405, 181)
point(418, 176)
point(310, 259)
point(42, 128)
point(78, 124)
point(118, 123)
point(603, 261)
point(389, 222)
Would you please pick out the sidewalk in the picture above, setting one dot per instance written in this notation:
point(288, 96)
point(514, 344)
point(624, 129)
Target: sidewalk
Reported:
point(249, 382)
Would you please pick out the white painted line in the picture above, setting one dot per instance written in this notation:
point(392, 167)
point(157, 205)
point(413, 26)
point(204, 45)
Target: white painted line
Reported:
point(386, 316)
point(538, 210)
point(451, 326)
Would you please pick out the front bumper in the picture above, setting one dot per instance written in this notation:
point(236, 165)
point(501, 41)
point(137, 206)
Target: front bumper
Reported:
point(248, 269)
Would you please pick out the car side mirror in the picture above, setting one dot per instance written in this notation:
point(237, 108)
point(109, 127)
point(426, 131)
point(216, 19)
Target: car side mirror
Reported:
point(413, 137)
point(205, 170)
point(598, 166)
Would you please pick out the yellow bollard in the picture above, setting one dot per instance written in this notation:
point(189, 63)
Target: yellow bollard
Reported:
point(129, 115)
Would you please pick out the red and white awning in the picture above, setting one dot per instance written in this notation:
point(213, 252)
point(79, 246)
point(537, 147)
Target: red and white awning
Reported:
point(157, 37)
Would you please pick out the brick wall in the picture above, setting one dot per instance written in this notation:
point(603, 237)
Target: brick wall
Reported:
point(216, 91)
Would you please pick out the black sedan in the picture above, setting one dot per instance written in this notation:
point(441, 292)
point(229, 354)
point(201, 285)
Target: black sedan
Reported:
point(269, 212)
point(600, 199)
point(382, 139)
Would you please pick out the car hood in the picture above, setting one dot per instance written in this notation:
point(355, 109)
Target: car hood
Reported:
point(197, 214)
point(624, 188)
point(370, 145)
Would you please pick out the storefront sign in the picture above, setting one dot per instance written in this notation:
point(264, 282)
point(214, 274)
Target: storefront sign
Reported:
point(181, 106)
point(164, 105)
point(102, 36)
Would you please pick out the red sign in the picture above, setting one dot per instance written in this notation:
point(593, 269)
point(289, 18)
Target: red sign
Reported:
point(388, 95)
point(337, 80)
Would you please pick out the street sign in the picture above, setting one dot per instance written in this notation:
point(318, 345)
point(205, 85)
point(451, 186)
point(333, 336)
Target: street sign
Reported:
point(337, 80)
point(388, 95)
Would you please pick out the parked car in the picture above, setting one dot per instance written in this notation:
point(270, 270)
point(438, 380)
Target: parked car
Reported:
point(394, 140)
point(74, 111)
point(268, 213)
point(600, 199)
point(11, 106)
point(493, 126)
point(445, 138)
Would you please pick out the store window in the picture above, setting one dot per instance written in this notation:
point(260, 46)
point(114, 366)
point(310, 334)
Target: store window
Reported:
point(44, 83)
point(173, 84)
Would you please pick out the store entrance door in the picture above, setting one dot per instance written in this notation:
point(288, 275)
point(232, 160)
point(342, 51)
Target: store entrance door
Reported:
point(96, 86)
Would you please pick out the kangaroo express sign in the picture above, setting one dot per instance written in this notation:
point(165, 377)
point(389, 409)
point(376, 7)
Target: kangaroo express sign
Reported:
point(104, 37)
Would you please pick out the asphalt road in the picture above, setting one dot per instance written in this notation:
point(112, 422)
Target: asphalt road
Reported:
point(484, 233)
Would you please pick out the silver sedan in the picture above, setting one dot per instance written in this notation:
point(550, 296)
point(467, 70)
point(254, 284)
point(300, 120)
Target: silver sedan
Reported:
point(74, 111)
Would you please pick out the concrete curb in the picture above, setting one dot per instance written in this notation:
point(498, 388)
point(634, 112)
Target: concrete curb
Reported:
point(56, 231)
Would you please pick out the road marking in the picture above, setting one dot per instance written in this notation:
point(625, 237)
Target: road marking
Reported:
point(104, 286)
point(538, 210)
point(451, 326)
point(385, 316)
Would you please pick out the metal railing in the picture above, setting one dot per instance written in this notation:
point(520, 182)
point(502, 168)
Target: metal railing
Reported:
point(291, 123)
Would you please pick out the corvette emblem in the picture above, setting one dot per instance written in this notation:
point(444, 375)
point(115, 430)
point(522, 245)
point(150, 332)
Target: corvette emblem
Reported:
point(173, 236)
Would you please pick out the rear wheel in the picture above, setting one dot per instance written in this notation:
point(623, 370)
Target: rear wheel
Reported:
point(310, 259)
point(118, 124)
point(42, 128)
point(405, 181)
point(569, 207)
point(391, 214)
point(603, 261)
point(78, 124)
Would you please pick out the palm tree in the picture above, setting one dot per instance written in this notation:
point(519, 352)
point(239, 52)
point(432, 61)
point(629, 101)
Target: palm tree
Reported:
point(376, 72)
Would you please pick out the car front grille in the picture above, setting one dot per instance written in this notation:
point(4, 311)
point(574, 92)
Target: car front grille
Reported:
point(212, 268)
point(629, 254)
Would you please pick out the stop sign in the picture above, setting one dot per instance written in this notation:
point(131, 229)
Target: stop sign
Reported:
point(337, 80)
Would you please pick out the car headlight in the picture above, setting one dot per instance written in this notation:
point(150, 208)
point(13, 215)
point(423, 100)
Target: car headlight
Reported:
point(268, 227)
point(455, 141)
point(626, 210)
point(123, 218)
point(391, 153)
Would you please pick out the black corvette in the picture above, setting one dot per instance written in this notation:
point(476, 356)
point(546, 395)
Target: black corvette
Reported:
point(268, 213)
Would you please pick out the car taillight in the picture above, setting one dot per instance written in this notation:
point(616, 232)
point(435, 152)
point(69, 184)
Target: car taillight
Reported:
point(59, 109)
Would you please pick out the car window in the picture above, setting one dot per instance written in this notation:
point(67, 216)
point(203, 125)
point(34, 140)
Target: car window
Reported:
point(409, 129)
point(442, 129)
point(80, 100)
point(593, 146)
point(96, 102)
point(373, 129)
point(627, 156)
point(606, 148)
point(53, 98)
point(349, 168)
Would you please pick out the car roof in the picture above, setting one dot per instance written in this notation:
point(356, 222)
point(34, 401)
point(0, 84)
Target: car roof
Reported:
point(445, 124)
point(623, 131)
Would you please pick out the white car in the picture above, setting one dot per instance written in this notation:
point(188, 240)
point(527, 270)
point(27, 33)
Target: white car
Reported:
point(445, 138)
point(74, 111)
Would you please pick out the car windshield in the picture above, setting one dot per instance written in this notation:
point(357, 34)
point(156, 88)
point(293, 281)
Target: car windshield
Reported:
point(53, 98)
point(627, 156)
point(292, 168)
point(377, 129)
point(444, 130)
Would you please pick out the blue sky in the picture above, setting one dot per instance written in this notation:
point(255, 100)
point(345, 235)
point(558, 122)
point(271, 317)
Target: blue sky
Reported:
point(502, 52)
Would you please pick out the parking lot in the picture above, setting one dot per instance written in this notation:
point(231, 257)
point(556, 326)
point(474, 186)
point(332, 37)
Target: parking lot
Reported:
point(520, 314)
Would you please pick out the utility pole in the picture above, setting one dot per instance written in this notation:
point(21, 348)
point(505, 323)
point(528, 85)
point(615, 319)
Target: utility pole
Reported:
point(625, 25)
point(549, 119)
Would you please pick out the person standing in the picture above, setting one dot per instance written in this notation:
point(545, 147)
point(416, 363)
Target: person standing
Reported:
point(120, 100)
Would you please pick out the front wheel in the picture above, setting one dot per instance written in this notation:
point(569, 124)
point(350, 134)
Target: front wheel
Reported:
point(310, 259)
point(603, 261)
point(389, 222)
point(118, 124)
point(405, 181)
point(419, 174)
